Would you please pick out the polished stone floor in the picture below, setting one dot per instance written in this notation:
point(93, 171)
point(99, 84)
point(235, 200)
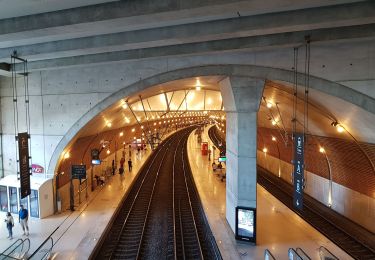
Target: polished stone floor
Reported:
point(278, 228)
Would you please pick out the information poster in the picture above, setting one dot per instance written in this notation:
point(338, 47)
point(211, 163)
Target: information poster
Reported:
point(245, 224)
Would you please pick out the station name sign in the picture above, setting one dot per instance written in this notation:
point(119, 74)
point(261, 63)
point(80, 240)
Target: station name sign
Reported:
point(23, 152)
point(298, 171)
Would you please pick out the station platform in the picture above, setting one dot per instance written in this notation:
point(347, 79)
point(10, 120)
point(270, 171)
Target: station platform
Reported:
point(278, 228)
point(78, 233)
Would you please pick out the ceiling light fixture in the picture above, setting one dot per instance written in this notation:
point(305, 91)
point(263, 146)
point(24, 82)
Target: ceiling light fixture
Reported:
point(198, 85)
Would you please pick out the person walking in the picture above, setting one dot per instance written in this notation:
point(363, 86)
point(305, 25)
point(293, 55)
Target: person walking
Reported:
point(23, 218)
point(10, 224)
point(130, 164)
point(113, 167)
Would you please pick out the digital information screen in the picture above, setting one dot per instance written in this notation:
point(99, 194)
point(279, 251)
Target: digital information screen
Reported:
point(222, 159)
point(246, 224)
point(95, 162)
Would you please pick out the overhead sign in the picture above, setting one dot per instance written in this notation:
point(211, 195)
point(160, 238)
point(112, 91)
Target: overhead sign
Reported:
point(36, 168)
point(222, 159)
point(298, 171)
point(79, 171)
point(23, 152)
point(95, 162)
point(95, 154)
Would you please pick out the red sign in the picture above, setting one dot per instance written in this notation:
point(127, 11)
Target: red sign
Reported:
point(36, 168)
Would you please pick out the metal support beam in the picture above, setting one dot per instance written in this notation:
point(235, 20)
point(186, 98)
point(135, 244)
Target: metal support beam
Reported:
point(131, 110)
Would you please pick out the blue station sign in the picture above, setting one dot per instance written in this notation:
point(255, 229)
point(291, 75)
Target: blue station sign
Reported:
point(298, 171)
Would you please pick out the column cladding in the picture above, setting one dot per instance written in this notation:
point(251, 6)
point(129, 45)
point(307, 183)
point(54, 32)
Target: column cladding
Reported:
point(241, 98)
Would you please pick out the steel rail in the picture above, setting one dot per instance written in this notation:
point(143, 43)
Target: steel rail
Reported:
point(152, 193)
point(149, 203)
point(135, 198)
point(191, 207)
point(173, 206)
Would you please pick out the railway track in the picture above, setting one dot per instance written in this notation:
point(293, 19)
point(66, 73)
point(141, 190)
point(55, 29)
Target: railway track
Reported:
point(331, 224)
point(312, 214)
point(217, 140)
point(161, 216)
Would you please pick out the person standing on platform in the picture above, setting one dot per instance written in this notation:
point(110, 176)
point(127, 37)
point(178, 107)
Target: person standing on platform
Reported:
point(122, 161)
point(130, 164)
point(10, 224)
point(113, 167)
point(23, 218)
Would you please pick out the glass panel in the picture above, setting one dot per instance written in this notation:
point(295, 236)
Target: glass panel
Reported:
point(325, 254)
point(302, 254)
point(34, 204)
point(13, 200)
point(293, 255)
point(268, 255)
point(3, 199)
point(24, 201)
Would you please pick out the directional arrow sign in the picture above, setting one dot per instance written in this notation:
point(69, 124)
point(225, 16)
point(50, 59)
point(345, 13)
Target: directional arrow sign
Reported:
point(298, 171)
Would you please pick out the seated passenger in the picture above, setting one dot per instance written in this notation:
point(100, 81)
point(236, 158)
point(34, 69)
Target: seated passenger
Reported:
point(220, 166)
point(214, 166)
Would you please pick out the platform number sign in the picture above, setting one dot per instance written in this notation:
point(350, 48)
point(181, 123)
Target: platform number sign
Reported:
point(298, 171)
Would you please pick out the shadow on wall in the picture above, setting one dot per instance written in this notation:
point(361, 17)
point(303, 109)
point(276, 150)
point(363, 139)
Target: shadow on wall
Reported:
point(353, 178)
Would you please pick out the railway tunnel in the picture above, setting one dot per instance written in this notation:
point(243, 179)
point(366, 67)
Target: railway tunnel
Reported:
point(214, 130)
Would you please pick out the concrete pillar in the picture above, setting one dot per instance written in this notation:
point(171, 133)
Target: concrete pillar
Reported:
point(241, 97)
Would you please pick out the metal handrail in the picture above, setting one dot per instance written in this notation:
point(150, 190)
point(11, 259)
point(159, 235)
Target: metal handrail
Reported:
point(302, 254)
point(7, 255)
point(268, 255)
point(327, 255)
point(293, 255)
point(9, 247)
point(44, 242)
point(40, 250)
point(135, 198)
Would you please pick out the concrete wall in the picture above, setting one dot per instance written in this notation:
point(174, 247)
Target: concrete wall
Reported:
point(60, 97)
point(351, 204)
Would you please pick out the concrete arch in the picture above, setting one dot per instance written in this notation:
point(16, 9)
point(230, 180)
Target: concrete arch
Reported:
point(331, 88)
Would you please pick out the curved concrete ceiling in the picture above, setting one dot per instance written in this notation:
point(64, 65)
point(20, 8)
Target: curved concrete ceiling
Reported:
point(153, 103)
point(323, 109)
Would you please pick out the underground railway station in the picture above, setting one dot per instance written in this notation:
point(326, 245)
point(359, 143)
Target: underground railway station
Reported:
point(187, 129)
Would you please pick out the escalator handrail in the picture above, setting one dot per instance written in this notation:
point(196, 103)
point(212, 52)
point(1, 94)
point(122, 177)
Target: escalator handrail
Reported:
point(293, 252)
point(333, 257)
point(4, 252)
point(6, 255)
point(268, 255)
point(302, 253)
point(44, 242)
